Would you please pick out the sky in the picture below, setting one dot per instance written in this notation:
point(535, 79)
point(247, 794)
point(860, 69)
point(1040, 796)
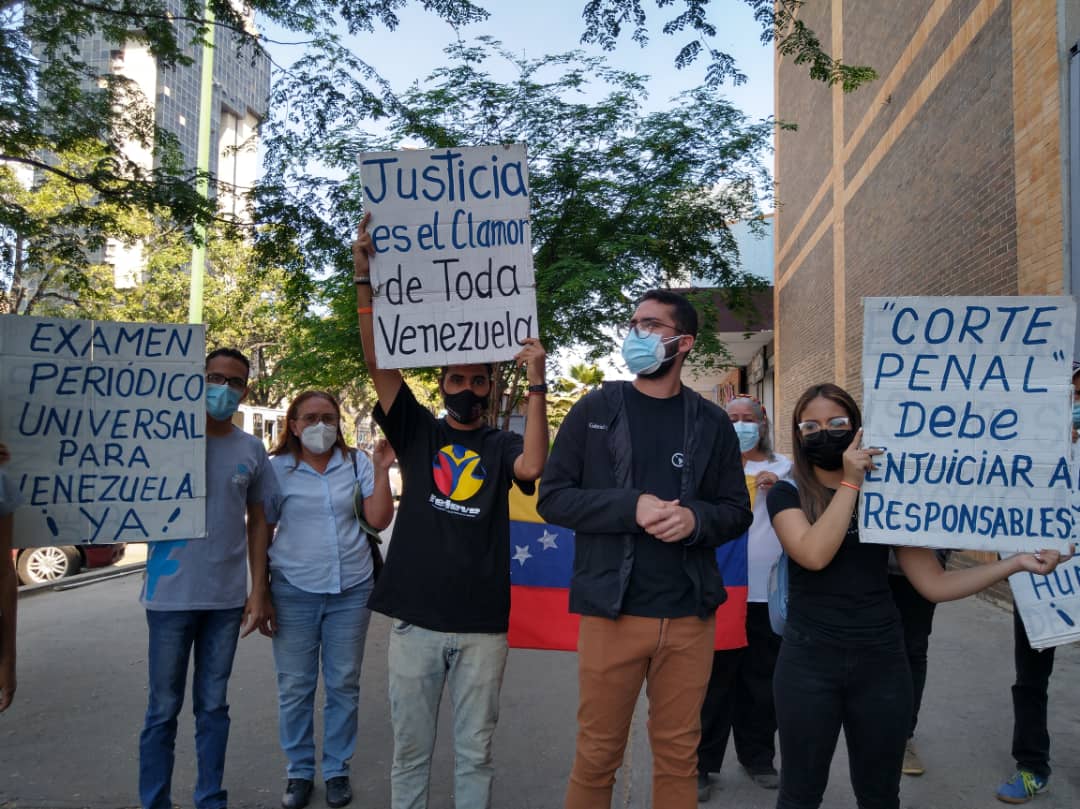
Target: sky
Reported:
point(534, 29)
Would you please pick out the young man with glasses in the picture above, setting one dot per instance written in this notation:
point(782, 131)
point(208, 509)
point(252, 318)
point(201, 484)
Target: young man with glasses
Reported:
point(650, 477)
point(196, 599)
point(446, 581)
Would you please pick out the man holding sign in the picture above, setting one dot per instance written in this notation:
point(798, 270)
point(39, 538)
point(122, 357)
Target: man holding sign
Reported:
point(446, 581)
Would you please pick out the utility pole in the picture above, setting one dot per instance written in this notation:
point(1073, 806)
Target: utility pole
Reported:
point(202, 165)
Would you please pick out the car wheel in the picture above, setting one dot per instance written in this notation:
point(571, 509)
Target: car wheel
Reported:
point(37, 565)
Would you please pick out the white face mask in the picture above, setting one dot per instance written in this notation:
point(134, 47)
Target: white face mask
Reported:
point(319, 437)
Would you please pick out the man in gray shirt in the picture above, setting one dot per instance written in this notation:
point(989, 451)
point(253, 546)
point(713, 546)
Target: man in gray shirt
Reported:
point(195, 595)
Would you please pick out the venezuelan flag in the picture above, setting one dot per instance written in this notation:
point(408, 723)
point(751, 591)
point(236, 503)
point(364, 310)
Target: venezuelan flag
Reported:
point(542, 561)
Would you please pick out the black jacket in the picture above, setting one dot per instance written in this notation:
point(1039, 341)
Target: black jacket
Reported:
point(587, 486)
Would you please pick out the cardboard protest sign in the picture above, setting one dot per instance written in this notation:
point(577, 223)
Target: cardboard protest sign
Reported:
point(972, 399)
point(1049, 605)
point(452, 275)
point(106, 427)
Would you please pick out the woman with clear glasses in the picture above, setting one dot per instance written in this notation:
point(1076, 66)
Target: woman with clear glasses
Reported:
point(321, 574)
point(842, 662)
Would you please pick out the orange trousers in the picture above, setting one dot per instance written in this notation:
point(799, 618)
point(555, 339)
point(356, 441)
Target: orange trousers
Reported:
point(673, 656)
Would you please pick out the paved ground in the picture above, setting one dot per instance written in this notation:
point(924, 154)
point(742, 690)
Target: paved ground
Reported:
point(70, 741)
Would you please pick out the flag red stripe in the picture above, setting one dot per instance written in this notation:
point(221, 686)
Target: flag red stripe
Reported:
point(540, 619)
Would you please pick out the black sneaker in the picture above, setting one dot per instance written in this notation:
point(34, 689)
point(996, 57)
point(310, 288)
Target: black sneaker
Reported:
point(297, 793)
point(704, 788)
point(338, 791)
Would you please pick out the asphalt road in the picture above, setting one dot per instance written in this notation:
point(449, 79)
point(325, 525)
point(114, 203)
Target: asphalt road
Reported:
point(70, 740)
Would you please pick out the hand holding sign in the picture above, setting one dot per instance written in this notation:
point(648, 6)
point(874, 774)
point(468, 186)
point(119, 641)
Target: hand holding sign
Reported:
point(1044, 561)
point(362, 250)
point(858, 460)
point(532, 356)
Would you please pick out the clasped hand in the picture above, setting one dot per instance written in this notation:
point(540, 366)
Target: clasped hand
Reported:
point(664, 519)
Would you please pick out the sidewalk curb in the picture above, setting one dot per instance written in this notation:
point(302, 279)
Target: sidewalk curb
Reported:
point(80, 579)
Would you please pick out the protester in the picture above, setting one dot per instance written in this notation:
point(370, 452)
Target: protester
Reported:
point(194, 594)
point(9, 501)
point(842, 662)
point(648, 475)
point(321, 576)
point(1031, 738)
point(739, 698)
point(917, 620)
point(446, 582)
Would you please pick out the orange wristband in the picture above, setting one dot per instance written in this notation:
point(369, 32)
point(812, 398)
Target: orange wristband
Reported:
point(849, 485)
point(363, 310)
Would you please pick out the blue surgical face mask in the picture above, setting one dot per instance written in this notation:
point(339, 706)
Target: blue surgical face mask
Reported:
point(1076, 415)
point(643, 355)
point(749, 434)
point(221, 402)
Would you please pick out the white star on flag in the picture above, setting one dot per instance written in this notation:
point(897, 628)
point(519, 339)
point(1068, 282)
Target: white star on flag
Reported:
point(548, 540)
point(522, 554)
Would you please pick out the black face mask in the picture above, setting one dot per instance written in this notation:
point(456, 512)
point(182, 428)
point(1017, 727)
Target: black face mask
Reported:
point(827, 451)
point(465, 406)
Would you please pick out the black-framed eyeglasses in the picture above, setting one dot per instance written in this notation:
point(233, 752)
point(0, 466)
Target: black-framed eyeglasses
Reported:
point(234, 382)
point(647, 326)
point(812, 431)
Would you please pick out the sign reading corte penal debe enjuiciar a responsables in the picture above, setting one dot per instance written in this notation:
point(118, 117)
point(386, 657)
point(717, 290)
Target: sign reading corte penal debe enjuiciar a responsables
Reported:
point(106, 424)
point(971, 399)
point(452, 275)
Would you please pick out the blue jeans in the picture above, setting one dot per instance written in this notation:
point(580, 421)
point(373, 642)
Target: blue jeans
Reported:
point(333, 625)
point(421, 662)
point(213, 635)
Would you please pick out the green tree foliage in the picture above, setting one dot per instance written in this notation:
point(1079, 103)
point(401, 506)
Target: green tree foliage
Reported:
point(53, 103)
point(780, 23)
point(622, 200)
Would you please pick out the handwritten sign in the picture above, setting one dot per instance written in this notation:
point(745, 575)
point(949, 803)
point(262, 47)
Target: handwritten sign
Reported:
point(452, 275)
point(1049, 605)
point(972, 400)
point(106, 427)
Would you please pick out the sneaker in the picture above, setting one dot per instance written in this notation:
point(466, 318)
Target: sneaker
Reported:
point(1022, 787)
point(338, 791)
point(912, 763)
point(704, 788)
point(766, 779)
point(297, 794)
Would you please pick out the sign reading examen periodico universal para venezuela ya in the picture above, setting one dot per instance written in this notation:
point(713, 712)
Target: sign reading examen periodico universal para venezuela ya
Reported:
point(106, 425)
point(452, 275)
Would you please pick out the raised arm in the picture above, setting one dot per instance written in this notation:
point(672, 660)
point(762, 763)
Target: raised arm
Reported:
point(814, 546)
point(387, 382)
point(926, 575)
point(530, 463)
point(379, 507)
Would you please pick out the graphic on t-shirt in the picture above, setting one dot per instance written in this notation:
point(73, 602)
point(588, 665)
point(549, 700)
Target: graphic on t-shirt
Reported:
point(242, 476)
point(458, 472)
point(159, 564)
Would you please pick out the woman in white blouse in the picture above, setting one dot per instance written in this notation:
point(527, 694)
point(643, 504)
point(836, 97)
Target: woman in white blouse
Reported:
point(321, 574)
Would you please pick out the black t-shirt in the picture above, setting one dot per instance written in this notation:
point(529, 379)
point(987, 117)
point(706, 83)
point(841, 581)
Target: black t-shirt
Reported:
point(659, 586)
point(448, 565)
point(849, 603)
